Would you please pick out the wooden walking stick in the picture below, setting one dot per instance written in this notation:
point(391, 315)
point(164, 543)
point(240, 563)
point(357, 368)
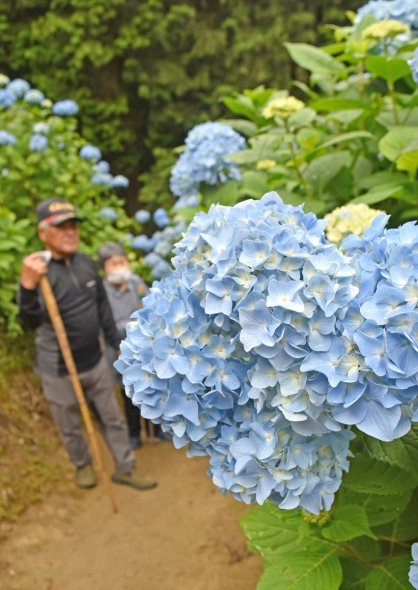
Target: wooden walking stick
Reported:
point(61, 334)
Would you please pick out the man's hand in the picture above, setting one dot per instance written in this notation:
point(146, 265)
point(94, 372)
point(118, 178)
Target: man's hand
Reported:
point(34, 267)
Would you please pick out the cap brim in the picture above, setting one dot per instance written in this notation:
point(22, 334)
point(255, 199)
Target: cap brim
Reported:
point(58, 219)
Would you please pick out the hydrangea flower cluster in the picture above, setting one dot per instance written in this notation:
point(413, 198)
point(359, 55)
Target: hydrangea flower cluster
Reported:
point(282, 106)
point(205, 160)
point(353, 218)
point(236, 351)
point(402, 10)
point(159, 246)
point(382, 327)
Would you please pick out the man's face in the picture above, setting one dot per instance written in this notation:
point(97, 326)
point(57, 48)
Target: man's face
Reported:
point(115, 263)
point(62, 240)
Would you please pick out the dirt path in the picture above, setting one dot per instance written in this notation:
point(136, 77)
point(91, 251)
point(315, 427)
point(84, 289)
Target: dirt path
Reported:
point(183, 535)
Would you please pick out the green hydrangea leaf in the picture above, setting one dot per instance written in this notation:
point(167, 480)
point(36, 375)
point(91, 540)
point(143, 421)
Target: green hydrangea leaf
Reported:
point(355, 574)
point(390, 69)
point(375, 477)
point(380, 509)
point(390, 575)
point(303, 571)
point(347, 522)
point(314, 59)
point(405, 526)
point(323, 169)
point(402, 452)
point(270, 529)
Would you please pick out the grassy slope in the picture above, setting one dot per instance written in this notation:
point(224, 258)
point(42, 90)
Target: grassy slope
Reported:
point(32, 461)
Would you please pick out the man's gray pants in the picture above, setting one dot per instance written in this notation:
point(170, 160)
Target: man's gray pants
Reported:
point(98, 389)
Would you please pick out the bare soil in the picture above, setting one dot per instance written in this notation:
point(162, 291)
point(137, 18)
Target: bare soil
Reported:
point(182, 535)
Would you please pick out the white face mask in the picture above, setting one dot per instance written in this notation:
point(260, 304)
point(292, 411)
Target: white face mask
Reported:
point(117, 277)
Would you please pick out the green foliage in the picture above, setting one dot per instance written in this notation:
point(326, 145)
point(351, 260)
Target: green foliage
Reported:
point(353, 139)
point(150, 70)
point(363, 543)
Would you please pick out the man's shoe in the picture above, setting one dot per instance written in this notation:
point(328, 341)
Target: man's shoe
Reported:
point(139, 482)
point(85, 477)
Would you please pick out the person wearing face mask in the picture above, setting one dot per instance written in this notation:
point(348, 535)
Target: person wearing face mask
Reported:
point(125, 291)
point(86, 314)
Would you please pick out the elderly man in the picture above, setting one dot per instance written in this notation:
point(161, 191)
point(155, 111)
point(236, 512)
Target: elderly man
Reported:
point(86, 313)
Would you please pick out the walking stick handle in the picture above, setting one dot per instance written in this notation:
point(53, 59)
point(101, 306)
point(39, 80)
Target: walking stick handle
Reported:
point(61, 334)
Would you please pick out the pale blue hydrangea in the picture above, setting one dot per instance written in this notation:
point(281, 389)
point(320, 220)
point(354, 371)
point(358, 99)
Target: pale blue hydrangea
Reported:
point(102, 178)
point(382, 328)
point(7, 98)
point(163, 242)
point(108, 213)
point(413, 571)
point(142, 242)
point(65, 108)
point(142, 216)
point(120, 181)
point(7, 138)
point(205, 159)
point(222, 353)
point(38, 143)
point(102, 167)
point(413, 64)
point(160, 217)
point(34, 96)
point(90, 152)
point(18, 87)
point(191, 201)
point(160, 268)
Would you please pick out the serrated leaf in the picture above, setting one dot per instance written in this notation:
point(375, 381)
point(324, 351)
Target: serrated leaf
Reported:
point(388, 68)
point(270, 529)
point(354, 574)
point(405, 526)
point(376, 477)
point(347, 522)
point(314, 59)
point(396, 141)
point(391, 574)
point(402, 452)
point(380, 509)
point(303, 571)
point(322, 170)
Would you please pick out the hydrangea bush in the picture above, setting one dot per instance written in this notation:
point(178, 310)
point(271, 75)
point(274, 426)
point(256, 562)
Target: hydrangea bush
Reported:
point(42, 155)
point(263, 348)
point(357, 102)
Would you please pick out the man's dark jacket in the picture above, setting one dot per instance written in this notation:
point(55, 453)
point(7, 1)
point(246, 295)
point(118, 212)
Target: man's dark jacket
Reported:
point(85, 311)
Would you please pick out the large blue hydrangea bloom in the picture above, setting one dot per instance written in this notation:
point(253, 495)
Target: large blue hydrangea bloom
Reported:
point(266, 344)
point(205, 159)
point(382, 327)
point(216, 354)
